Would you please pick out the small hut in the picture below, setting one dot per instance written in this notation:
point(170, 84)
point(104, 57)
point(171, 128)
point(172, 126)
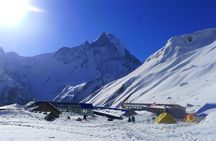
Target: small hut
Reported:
point(47, 107)
point(79, 108)
point(177, 111)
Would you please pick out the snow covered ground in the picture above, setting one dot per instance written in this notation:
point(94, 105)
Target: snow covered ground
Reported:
point(17, 124)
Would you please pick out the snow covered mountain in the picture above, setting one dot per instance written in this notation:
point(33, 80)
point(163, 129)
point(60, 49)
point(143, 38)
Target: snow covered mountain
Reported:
point(11, 91)
point(105, 59)
point(183, 71)
point(44, 76)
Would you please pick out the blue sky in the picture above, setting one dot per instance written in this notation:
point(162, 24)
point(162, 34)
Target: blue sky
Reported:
point(143, 26)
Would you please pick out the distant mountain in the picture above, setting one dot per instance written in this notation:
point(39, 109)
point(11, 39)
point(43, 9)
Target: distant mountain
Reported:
point(183, 71)
point(105, 59)
point(11, 91)
point(69, 74)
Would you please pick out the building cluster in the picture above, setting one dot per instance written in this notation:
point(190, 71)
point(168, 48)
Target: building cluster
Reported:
point(165, 113)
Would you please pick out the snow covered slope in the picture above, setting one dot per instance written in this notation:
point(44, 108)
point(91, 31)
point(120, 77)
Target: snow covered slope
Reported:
point(44, 76)
point(183, 71)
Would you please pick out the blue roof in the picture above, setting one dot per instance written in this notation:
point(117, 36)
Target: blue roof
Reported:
point(205, 108)
point(86, 106)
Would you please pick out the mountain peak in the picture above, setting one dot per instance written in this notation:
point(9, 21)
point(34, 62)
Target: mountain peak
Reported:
point(106, 38)
point(109, 40)
point(106, 35)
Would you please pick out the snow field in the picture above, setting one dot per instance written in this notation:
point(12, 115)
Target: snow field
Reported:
point(19, 125)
